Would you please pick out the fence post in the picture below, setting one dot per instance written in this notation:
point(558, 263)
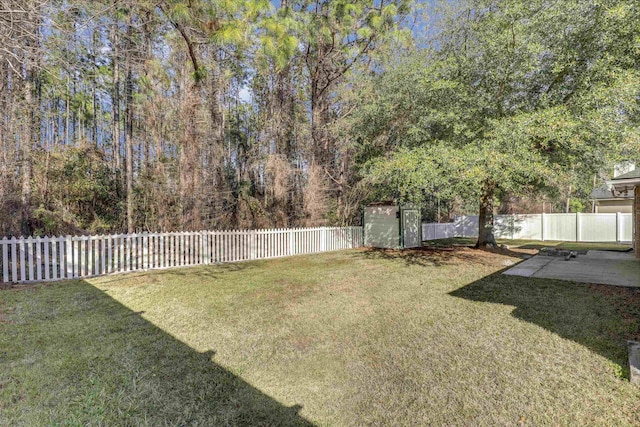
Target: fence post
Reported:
point(542, 226)
point(38, 258)
point(5, 260)
point(29, 249)
point(618, 227)
point(204, 252)
point(578, 227)
point(81, 256)
point(96, 255)
point(14, 259)
point(254, 244)
point(54, 258)
point(23, 262)
point(69, 260)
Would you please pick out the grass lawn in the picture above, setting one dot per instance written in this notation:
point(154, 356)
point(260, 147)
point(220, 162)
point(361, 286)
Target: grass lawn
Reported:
point(349, 338)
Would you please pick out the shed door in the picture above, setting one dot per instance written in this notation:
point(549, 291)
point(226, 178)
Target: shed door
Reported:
point(411, 228)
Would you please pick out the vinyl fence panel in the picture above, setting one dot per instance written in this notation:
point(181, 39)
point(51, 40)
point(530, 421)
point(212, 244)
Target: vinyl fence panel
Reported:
point(467, 226)
point(560, 227)
point(432, 231)
point(598, 227)
point(625, 227)
point(528, 226)
point(577, 227)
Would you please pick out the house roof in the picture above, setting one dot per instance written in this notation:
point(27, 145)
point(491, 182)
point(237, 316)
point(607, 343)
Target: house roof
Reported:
point(629, 175)
point(603, 193)
point(624, 184)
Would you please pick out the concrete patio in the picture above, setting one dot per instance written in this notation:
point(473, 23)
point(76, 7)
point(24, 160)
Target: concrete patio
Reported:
point(600, 267)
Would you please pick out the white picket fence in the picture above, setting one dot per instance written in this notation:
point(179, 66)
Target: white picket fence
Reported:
point(576, 227)
point(36, 259)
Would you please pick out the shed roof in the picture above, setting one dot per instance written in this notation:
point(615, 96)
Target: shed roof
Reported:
point(392, 203)
point(383, 203)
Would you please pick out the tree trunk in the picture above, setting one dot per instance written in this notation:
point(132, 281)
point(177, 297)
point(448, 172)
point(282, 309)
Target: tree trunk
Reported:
point(26, 149)
point(315, 190)
point(115, 102)
point(283, 125)
point(128, 135)
point(94, 95)
point(67, 114)
point(32, 116)
point(485, 218)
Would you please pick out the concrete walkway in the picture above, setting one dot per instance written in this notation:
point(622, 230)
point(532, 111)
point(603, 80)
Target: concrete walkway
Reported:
point(601, 267)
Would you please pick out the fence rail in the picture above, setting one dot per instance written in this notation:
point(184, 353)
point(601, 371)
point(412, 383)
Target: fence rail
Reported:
point(577, 227)
point(35, 259)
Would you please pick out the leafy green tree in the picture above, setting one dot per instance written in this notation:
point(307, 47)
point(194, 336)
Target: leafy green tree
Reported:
point(511, 96)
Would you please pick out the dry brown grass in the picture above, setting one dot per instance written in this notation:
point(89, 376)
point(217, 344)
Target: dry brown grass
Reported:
point(362, 337)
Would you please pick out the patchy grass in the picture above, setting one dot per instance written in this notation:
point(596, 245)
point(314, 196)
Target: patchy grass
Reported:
point(534, 244)
point(361, 337)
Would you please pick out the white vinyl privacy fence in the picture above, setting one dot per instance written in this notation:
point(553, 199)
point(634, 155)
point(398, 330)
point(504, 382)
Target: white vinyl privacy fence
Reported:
point(55, 258)
point(438, 230)
point(577, 227)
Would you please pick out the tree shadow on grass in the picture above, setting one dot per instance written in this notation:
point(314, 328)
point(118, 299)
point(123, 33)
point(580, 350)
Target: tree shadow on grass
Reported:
point(426, 256)
point(600, 317)
point(77, 356)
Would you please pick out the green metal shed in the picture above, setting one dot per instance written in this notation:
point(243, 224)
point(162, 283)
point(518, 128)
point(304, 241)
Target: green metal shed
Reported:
point(392, 226)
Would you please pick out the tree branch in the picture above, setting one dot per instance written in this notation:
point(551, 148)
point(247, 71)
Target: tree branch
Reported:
point(187, 40)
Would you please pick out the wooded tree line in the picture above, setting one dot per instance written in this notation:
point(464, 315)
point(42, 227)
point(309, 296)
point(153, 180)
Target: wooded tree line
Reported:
point(122, 115)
